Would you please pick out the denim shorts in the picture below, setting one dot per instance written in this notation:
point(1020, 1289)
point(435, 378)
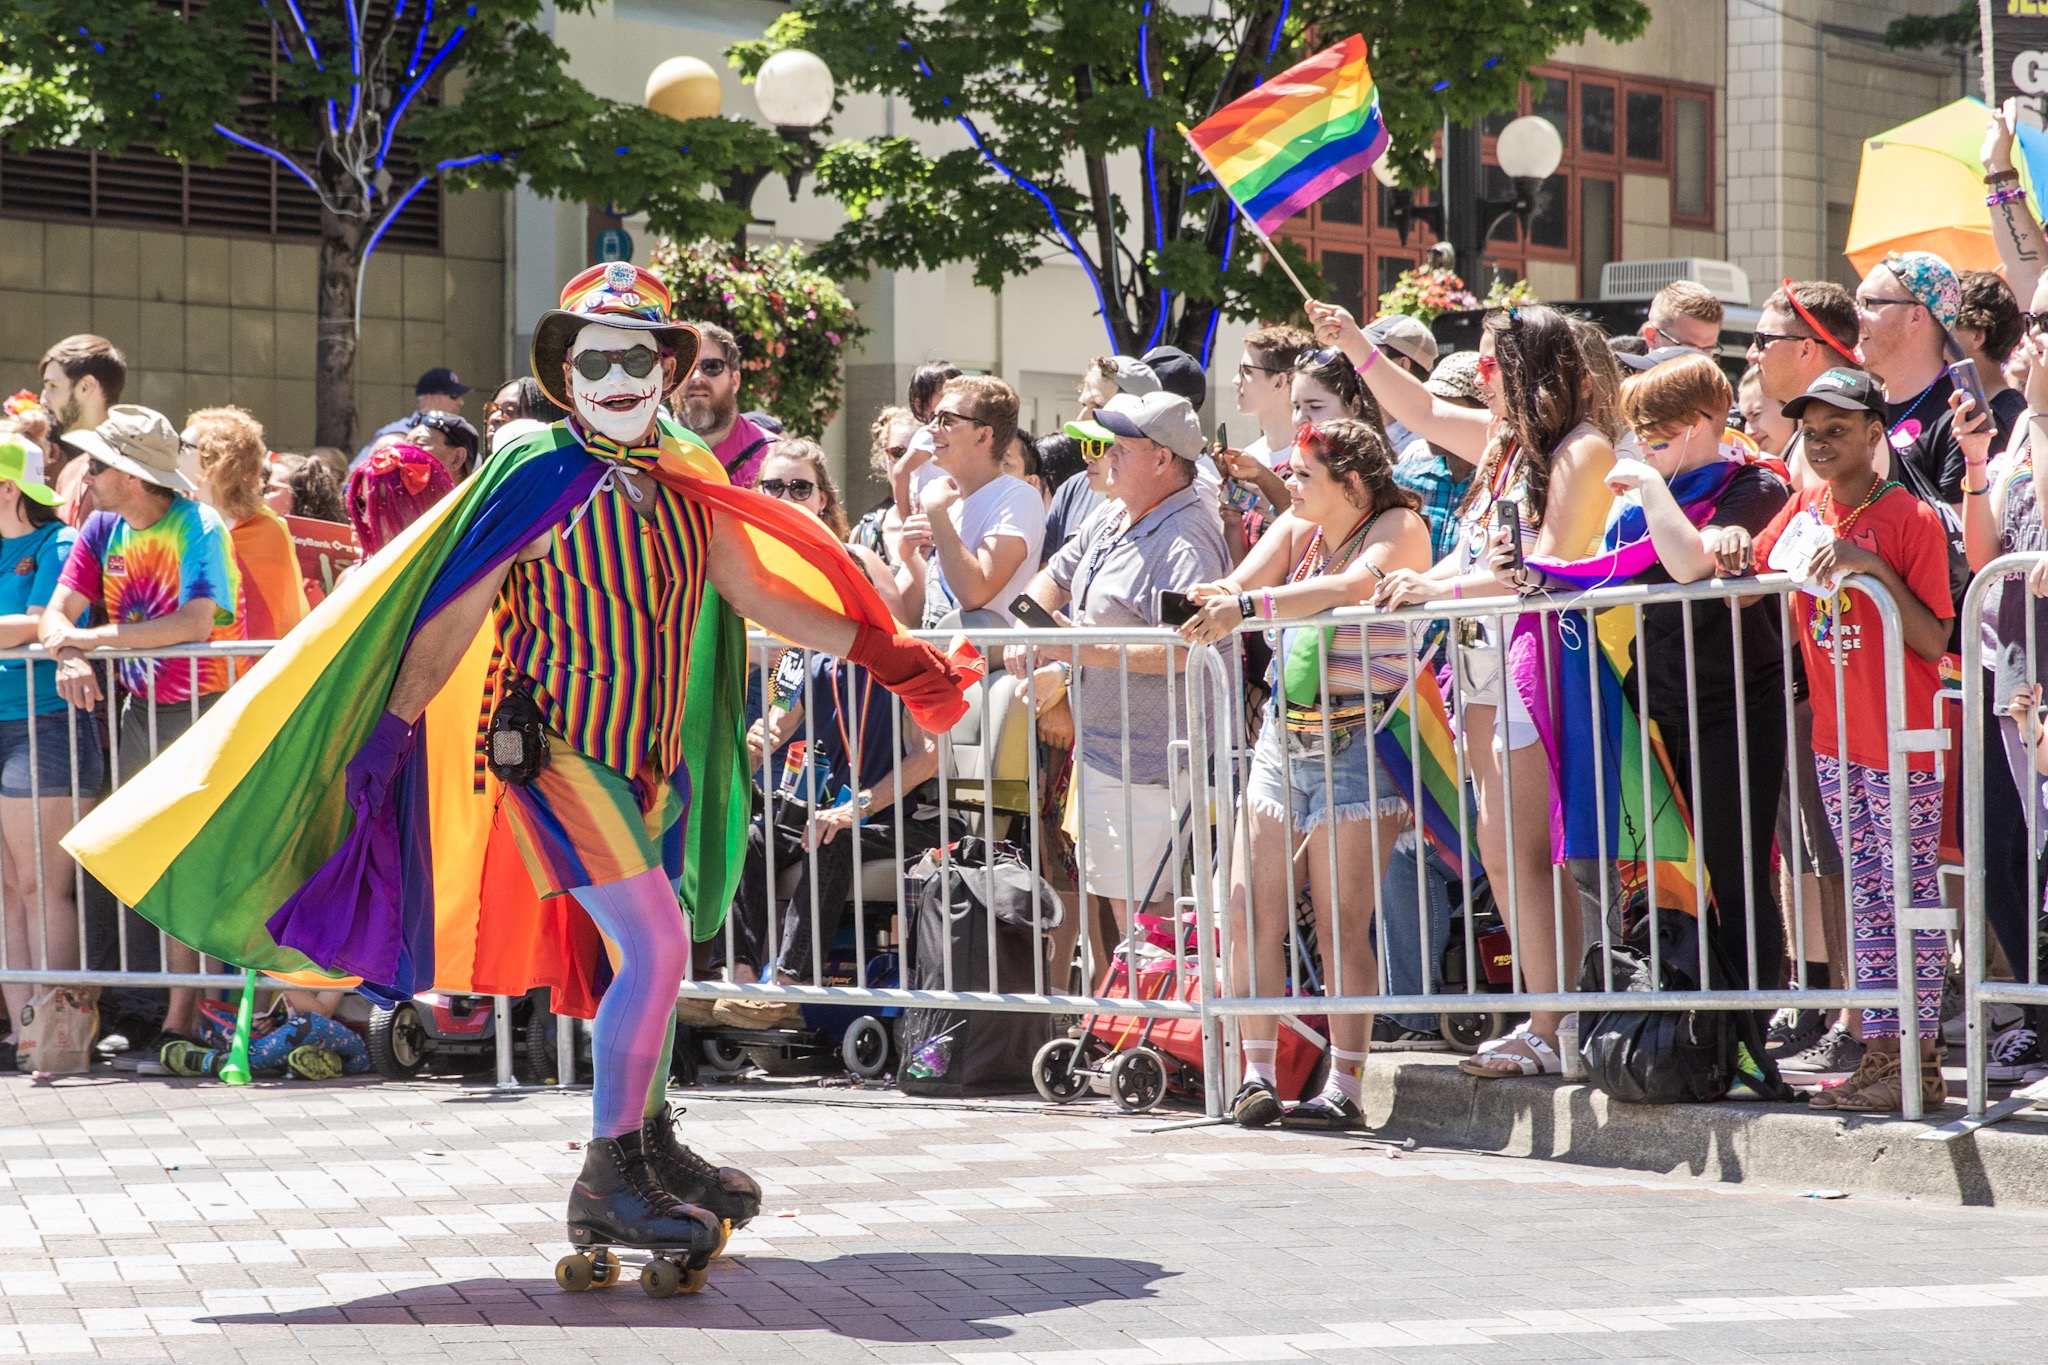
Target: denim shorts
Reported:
point(52, 768)
point(1285, 785)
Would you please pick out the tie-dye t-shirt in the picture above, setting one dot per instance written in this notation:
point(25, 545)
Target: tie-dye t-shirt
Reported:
point(148, 574)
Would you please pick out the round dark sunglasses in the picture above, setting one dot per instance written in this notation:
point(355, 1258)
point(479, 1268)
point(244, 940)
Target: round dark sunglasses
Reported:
point(639, 362)
point(799, 490)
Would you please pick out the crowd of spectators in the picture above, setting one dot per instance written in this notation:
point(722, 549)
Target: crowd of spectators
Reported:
point(1376, 470)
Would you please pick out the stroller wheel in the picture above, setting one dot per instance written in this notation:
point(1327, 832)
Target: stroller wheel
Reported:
point(723, 1055)
point(1465, 1032)
point(1137, 1079)
point(1056, 1072)
point(865, 1048)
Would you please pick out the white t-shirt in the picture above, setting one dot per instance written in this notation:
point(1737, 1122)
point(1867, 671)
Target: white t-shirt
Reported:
point(1004, 506)
point(1271, 457)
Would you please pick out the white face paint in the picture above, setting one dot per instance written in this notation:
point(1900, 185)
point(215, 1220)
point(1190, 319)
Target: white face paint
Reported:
point(618, 405)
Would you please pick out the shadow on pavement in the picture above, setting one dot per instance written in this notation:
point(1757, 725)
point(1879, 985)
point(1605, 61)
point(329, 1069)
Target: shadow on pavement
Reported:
point(884, 1296)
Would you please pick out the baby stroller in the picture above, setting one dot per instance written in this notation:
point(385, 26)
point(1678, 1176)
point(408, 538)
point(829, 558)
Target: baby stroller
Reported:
point(1142, 1058)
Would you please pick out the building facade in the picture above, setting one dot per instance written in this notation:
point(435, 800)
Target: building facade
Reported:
point(1731, 129)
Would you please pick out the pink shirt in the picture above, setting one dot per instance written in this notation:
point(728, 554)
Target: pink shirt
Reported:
point(747, 445)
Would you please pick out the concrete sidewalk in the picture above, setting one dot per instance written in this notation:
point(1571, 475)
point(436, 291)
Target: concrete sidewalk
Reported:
point(1425, 1096)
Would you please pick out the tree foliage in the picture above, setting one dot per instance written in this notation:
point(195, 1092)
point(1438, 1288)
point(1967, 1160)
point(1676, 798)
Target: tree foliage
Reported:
point(1058, 103)
point(1957, 30)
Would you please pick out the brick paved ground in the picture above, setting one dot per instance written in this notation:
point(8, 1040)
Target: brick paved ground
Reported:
point(365, 1222)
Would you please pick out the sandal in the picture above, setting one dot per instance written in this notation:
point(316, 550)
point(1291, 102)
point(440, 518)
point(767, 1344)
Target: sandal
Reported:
point(1535, 1057)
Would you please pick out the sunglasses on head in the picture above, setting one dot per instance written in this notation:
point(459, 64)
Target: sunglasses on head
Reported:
point(797, 490)
point(637, 361)
point(712, 366)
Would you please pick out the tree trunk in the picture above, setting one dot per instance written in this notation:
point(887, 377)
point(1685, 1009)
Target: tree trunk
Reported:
point(334, 393)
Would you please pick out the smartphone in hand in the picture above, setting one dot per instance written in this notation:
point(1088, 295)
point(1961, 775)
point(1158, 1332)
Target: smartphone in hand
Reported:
point(1964, 373)
point(1029, 613)
point(1507, 514)
point(1176, 608)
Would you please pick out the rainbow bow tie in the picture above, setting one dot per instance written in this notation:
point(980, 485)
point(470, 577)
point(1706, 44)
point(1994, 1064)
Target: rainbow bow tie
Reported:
point(642, 458)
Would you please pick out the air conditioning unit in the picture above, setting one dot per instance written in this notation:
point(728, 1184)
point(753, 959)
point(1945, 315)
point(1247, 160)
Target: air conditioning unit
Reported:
point(1642, 279)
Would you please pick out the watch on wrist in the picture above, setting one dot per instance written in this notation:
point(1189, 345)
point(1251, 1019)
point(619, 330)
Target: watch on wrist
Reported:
point(1244, 606)
point(864, 800)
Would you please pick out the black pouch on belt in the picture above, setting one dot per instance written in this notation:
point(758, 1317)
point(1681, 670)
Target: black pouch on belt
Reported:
point(518, 740)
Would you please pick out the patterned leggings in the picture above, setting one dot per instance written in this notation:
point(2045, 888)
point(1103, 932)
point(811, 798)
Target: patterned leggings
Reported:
point(1859, 799)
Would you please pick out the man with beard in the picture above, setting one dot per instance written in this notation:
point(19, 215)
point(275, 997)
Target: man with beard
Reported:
point(583, 594)
point(83, 376)
point(709, 405)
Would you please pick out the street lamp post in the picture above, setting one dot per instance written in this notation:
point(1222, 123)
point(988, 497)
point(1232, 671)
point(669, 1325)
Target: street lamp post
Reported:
point(793, 90)
point(1528, 151)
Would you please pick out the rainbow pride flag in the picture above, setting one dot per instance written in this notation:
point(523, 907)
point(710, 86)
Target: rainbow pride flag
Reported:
point(1297, 137)
point(1414, 740)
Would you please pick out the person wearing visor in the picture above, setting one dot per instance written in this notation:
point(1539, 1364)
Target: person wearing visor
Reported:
point(37, 772)
point(1152, 535)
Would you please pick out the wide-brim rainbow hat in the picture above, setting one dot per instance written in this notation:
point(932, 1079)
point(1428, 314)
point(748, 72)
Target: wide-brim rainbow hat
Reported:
point(617, 294)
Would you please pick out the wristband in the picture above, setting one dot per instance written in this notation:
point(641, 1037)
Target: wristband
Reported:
point(1268, 595)
point(1977, 492)
point(1372, 354)
point(1244, 606)
point(2012, 194)
point(2009, 176)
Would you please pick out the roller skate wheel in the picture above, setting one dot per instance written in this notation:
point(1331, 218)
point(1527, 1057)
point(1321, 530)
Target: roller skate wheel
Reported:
point(575, 1273)
point(661, 1278)
point(695, 1280)
point(605, 1270)
point(724, 1236)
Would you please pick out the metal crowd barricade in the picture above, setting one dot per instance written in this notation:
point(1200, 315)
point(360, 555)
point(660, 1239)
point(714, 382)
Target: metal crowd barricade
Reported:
point(1906, 734)
point(1158, 708)
point(1978, 990)
point(988, 782)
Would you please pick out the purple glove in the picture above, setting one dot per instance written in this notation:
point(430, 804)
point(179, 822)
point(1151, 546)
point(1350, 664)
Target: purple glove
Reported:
point(378, 761)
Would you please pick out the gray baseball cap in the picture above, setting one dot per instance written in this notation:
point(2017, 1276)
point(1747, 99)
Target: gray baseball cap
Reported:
point(1132, 375)
point(1406, 337)
point(1164, 417)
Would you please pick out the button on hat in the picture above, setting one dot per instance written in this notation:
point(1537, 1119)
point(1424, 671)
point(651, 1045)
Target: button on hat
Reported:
point(135, 440)
point(1166, 418)
point(1849, 390)
point(1405, 337)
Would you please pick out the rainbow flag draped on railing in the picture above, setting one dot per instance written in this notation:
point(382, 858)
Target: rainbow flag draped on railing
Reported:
point(1414, 740)
point(1297, 137)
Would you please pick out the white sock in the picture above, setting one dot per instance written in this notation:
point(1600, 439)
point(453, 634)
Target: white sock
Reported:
point(1258, 1061)
point(1347, 1076)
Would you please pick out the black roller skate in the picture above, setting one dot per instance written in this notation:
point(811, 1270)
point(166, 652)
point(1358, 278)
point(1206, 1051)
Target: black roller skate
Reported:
point(728, 1193)
point(617, 1201)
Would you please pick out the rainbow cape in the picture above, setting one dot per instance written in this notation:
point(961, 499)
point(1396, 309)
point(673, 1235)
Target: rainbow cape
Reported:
point(1297, 137)
point(1569, 669)
point(233, 820)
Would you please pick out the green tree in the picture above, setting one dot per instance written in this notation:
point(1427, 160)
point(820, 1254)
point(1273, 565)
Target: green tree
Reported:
point(1062, 100)
point(474, 91)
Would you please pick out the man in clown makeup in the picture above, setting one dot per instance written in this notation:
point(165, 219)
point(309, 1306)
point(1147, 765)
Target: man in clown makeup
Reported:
point(579, 600)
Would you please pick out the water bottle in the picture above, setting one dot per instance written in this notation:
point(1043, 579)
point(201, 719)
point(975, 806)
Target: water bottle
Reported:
point(1568, 1048)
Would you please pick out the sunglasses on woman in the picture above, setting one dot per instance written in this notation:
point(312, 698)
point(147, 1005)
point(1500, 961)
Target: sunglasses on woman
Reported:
point(1487, 365)
point(1091, 451)
point(796, 490)
point(637, 361)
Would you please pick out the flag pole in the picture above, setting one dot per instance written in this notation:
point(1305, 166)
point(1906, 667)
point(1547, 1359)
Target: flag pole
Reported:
point(1249, 221)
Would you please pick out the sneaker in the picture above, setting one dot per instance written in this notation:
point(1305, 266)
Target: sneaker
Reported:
point(1389, 1036)
point(1836, 1052)
point(183, 1057)
point(148, 1059)
point(1794, 1031)
point(2014, 1053)
point(1749, 1077)
point(313, 1063)
point(1955, 1032)
point(1256, 1105)
point(1332, 1113)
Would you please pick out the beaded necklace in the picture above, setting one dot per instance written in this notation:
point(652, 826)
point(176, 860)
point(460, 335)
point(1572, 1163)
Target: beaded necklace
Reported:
point(1842, 527)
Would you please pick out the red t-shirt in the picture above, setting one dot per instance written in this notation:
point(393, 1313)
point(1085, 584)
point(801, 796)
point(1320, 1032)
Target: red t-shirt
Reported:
point(1907, 535)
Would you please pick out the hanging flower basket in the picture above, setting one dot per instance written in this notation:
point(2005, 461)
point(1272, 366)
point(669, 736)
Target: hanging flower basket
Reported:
point(793, 324)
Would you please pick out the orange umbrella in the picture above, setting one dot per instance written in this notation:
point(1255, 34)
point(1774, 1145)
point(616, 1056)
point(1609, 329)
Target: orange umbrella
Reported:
point(1921, 188)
